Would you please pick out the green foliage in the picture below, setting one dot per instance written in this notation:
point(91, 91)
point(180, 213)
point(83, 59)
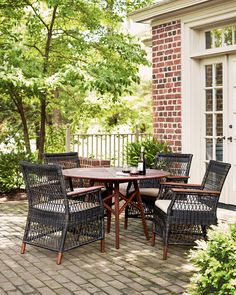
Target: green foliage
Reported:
point(151, 148)
point(55, 141)
point(133, 111)
point(10, 174)
point(215, 263)
point(52, 49)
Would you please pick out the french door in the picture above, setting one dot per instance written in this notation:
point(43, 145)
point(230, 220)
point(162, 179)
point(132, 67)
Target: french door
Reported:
point(218, 124)
point(231, 142)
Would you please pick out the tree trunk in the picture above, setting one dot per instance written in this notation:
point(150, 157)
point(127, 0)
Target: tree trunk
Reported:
point(44, 100)
point(42, 131)
point(37, 133)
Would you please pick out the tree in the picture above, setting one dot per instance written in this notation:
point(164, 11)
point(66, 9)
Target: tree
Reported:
point(133, 111)
point(48, 47)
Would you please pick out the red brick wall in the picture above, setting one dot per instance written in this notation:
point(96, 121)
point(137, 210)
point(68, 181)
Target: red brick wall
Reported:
point(90, 162)
point(166, 58)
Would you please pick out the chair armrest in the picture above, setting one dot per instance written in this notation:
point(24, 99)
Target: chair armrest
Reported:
point(89, 195)
point(195, 191)
point(166, 188)
point(84, 190)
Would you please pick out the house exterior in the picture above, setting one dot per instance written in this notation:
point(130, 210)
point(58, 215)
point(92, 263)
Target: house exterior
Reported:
point(194, 80)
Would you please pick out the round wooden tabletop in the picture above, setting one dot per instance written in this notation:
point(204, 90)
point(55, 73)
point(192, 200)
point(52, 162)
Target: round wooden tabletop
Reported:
point(111, 174)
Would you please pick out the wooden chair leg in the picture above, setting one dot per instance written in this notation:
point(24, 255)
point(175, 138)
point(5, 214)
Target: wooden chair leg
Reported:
point(59, 257)
point(109, 203)
point(165, 241)
point(102, 245)
point(126, 217)
point(165, 251)
point(108, 222)
point(23, 245)
point(153, 239)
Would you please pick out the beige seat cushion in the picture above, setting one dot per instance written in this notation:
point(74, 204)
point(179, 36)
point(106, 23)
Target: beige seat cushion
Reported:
point(59, 206)
point(149, 192)
point(164, 204)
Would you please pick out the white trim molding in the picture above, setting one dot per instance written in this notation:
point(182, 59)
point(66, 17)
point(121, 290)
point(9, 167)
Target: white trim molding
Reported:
point(168, 8)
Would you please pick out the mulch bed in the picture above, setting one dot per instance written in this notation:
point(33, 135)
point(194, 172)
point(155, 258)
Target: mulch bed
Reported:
point(17, 195)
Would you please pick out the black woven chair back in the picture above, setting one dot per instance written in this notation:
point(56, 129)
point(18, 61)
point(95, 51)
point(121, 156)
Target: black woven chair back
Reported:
point(65, 160)
point(215, 175)
point(44, 184)
point(175, 163)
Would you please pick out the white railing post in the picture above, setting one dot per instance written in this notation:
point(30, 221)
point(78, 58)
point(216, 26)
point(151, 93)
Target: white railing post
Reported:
point(67, 138)
point(113, 145)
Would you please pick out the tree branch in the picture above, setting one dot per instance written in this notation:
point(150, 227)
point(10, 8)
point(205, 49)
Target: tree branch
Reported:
point(49, 38)
point(34, 46)
point(67, 33)
point(37, 14)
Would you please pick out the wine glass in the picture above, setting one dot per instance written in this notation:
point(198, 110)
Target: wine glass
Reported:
point(126, 168)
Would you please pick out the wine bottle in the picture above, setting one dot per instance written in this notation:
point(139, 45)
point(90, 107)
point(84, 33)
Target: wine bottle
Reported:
point(142, 163)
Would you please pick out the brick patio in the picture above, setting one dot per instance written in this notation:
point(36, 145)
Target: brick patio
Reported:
point(136, 268)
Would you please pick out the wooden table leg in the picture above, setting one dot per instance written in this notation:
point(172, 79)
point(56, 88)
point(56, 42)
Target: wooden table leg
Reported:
point(109, 202)
point(117, 221)
point(139, 199)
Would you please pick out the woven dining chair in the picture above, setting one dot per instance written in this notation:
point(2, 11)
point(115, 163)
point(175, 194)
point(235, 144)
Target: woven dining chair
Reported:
point(59, 220)
point(187, 210)
point(177, 164)
point(66, 161)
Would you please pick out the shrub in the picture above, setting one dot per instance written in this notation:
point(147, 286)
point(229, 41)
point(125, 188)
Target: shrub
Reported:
point(10, 174)
point(215, 263)
point(151, 148)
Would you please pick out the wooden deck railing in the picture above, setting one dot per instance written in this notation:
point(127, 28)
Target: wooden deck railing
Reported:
point(103, 146)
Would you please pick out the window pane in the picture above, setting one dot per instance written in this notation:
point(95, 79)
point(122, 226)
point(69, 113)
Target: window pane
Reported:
point(218, 37)
point(228, 36)
point(209, 149)
point(209, 123)
point(208, 70)
point(219, 149)
point(219, 99)
point(208, 38)
point(219, 125)
point(224, 36)
point(219, 74)
point(209, 100)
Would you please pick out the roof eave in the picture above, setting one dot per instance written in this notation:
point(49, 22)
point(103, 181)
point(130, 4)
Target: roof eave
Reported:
point(145, 15)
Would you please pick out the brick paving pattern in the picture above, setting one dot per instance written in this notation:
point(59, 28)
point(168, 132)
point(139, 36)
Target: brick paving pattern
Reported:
point(136, 268)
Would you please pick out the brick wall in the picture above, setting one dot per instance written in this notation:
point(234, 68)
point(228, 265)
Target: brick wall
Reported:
point(89, 162)
point(166, 58)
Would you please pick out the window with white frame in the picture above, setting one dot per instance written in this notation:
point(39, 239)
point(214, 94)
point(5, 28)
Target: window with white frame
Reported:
point(220, 37)
point(214, 111)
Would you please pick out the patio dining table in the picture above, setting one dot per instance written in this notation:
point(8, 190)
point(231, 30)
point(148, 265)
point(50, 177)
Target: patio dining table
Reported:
point(112, 177)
